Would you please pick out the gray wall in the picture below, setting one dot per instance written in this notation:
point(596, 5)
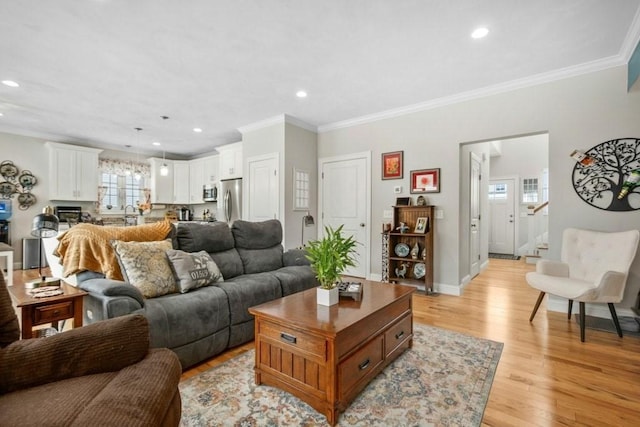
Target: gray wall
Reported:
point(577, 112)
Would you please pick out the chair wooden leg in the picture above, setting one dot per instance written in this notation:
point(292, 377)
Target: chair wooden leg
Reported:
point(570, 309)
point(582, 320)
point(614, 316)
point(535, 309)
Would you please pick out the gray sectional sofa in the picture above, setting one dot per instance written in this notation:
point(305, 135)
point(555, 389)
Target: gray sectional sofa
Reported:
point(205, 321)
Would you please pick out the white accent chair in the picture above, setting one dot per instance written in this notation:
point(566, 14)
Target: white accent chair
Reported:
point(594, 267)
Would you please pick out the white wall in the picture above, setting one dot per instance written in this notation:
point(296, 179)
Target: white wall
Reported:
point(577, 112)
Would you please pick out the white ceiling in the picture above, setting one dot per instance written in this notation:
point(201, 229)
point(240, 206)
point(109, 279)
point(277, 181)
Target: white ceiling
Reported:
point(91, 71)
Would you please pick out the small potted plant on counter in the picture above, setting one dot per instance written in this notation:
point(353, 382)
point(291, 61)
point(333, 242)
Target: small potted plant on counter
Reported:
point(330, 257)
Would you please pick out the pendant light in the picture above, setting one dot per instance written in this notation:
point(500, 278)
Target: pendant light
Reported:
point(164, 169)
point(137, 175)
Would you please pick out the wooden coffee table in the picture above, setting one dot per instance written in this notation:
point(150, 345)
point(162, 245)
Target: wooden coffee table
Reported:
point(327, 355)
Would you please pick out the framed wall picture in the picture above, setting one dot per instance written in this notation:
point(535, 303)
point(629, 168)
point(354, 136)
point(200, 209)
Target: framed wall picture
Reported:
point(403, 201)
point(425, 181)
point(392, 165)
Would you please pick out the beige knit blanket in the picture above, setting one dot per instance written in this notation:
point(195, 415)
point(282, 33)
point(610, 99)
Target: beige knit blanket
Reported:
point(88, 246)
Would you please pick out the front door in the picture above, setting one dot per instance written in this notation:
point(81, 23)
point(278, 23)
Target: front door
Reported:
point(502, 216)
point(344, 200)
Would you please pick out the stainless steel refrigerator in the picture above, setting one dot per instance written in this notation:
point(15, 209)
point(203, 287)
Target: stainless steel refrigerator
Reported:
point(230, 200)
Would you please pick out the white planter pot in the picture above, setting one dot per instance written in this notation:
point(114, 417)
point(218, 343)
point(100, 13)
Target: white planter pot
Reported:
point(327, 296)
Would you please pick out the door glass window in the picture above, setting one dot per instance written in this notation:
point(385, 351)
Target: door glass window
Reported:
point(497, 191)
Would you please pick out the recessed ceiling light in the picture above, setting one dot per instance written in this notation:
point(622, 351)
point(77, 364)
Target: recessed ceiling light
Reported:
point(301, 94)
point(1, 114)
point(10, 83)
point(479, 33)
point(156, 143)
point(197, 130)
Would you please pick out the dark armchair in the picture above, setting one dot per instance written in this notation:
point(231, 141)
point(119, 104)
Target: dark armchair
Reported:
point(101, 374)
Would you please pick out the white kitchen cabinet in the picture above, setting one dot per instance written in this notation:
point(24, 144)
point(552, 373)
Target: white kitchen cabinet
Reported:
point(196, 180)
point(181, 187)
point(230, 160)
point(211, 170)
point(73, 172)
point(161, 186)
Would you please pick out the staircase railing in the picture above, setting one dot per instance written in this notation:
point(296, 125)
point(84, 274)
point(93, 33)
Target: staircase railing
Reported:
point(538, 229)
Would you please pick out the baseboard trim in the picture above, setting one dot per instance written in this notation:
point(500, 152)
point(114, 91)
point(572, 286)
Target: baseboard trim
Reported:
point(558, 304)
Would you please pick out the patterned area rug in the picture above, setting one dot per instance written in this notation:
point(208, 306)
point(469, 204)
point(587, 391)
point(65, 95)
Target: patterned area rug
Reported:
point(444, 380)
point(504, 256)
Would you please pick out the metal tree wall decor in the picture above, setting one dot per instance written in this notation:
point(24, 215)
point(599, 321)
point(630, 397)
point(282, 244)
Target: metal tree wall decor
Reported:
point(600, 183)
point(17, 183)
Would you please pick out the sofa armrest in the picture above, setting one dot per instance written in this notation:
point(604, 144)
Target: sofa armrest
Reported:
point(295, 257)
point(106, 346)
point(112, 288)
point(552, 268)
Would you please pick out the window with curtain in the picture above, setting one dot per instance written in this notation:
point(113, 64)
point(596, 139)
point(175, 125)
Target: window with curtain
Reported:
point(122, 183)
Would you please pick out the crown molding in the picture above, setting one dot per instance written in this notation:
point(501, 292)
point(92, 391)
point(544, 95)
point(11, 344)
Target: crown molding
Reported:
point(280, 119)
point(632, 39)
point(563, 73)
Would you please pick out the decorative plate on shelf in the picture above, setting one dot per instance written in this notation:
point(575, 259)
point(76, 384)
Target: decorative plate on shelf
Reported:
point(419, 270)
point(402, 249)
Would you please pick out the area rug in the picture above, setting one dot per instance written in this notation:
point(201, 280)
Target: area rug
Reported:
point(444, 380)
point(504, 256)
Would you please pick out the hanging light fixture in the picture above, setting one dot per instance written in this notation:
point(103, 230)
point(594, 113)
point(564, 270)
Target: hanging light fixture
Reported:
point(164, 169)
point(136, 174)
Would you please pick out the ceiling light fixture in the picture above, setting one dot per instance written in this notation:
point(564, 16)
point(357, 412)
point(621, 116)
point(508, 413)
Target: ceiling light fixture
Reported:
point(1, 114)
point(301, 94)
point(164, 169)
point(479, 33)
point(10, 83)
point(198, 130)
point(156, 143)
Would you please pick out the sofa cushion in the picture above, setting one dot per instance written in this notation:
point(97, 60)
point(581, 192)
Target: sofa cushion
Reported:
point(260, 260)
point(248, 290)
point(295, 279)
point(217, 240)
point(257, 235)
point(259, 245)
point(195, 237)
point(193, 270)
point(179, 319)
point(145, 266)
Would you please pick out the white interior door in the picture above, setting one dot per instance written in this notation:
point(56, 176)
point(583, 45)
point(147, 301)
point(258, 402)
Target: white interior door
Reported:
point(344, 200)
point(474, 215)
point(264, 190)
point(502, 216)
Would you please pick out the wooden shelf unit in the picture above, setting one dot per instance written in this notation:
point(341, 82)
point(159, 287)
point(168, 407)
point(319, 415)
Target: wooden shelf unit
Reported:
point(409, 216)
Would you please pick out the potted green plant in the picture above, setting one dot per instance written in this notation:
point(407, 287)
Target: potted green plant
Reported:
point(330, 257)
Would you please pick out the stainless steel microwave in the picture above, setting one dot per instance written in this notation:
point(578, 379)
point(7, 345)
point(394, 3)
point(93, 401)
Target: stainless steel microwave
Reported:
point(66, 213)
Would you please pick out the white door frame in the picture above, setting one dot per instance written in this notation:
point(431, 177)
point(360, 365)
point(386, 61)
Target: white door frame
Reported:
point(366, 155)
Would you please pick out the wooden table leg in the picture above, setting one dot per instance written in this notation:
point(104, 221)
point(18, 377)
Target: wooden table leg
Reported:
point(27, 326)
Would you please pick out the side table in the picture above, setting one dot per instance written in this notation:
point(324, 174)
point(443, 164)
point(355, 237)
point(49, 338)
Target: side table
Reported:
point(38, 311)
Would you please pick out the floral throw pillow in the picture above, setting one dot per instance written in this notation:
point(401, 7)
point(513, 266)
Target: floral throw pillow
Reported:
point(193, 270)
point(145, 266)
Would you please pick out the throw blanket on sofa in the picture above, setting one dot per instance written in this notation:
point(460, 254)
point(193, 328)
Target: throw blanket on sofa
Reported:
point(88, 246)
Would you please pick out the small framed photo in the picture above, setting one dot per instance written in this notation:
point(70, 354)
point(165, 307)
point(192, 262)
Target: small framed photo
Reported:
point(403, 201)
point(425, 181)
point(392, 165)
point(422, 225)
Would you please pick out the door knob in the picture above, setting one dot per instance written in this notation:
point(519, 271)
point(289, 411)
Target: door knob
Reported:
point(362, 224)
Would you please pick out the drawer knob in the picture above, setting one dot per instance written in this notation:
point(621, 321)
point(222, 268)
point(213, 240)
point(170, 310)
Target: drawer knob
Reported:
point(288, 338)
point(364, 364)
point(56, 312)
point(399, 335)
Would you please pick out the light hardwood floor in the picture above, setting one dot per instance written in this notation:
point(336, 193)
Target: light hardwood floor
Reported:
point(546, 376)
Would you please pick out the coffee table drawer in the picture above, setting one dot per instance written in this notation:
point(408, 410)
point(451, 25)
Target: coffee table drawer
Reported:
point(52, 313)
point(360, 365)
point(294, 339)
point(397, 335)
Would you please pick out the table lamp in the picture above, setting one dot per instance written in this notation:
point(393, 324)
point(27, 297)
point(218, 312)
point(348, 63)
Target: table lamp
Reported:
point(44, 225)
point(307, 220)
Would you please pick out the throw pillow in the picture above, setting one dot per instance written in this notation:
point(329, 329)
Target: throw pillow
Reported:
point(193, 270)
point(145, 266)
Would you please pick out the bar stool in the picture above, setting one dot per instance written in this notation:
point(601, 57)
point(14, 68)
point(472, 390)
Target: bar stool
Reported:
point(7, 251)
